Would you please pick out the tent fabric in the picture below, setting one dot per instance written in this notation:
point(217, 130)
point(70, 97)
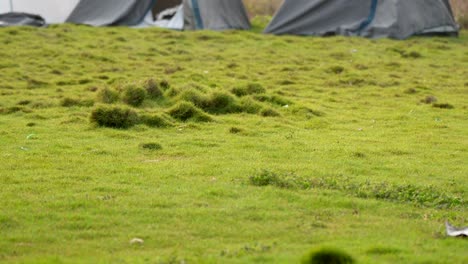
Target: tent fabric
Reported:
point(175, 22)
point(223, 14)
point(21, 19)
point(110, 12)
point(52, 11)
point(397, 19)
point(210, 14)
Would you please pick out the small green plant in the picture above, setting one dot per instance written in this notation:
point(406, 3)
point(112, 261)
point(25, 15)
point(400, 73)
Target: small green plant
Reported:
point(114, 117)
point(107, 96)
point(328, 256)
point(186, 111)
point(151, 146)
point(134, 95)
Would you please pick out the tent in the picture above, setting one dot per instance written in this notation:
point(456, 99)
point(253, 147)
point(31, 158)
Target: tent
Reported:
point(188, 14)
point(397, 19)
point(53, 11)
point(21, 19)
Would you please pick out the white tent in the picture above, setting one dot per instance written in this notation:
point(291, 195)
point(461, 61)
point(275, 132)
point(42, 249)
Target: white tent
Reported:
point(53, 11)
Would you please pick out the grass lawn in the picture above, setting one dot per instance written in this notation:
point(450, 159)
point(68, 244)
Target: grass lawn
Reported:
point(232, 147)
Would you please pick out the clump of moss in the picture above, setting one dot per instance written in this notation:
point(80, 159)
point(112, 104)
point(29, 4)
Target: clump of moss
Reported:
point(186, 111)
point(172, 92)
point(336, 69)
point(107, 96)
point(443, 106)
point(430, 99)
point(328, 256)
point(307, 112)
point(274, 99)
point(151, 146)
point(114, 117)
point(152, 89)
point(251, 88)
point(221, 103)
point(269, 112)
point(24, 102)
point(134, 95)
point(156, 121)
point(164, 84)
point(249, 105)
point(70, 102)
point(411, 54)
point(194, 96)
point(411, 91)
point(13, 109)
point(235, 130)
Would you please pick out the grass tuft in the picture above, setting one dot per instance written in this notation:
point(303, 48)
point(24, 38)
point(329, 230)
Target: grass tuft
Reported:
point(249, 105)
point(134, 95)
point(443, 106)
point(328, 256)
point(269, 112)
point(220, 102)
point(107, 96)
point(428, 196)
point(156, 121)
point(153, 89)
point(186, 111)
point(151, 146)
point(114, 117)
point(70, 102)
point(251, 88)
point(336, 69)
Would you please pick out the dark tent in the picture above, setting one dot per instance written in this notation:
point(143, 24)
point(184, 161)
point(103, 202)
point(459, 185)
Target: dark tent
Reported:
point(189, 14)
point(398, 19)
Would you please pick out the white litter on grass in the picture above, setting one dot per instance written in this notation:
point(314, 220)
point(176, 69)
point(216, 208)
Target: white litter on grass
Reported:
point(456, 232)
point(31, 136)
point(137, 241)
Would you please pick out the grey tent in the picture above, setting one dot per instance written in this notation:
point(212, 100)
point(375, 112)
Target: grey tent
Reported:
point(190, 14)
point(398, 19)
point(21, 19)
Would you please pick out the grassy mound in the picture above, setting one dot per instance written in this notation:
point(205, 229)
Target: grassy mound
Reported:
point(114, 117)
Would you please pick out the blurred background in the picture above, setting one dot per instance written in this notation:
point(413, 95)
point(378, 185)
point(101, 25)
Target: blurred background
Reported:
point(268, 7)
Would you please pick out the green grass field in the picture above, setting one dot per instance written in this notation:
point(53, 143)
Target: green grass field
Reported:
point(247, 148)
